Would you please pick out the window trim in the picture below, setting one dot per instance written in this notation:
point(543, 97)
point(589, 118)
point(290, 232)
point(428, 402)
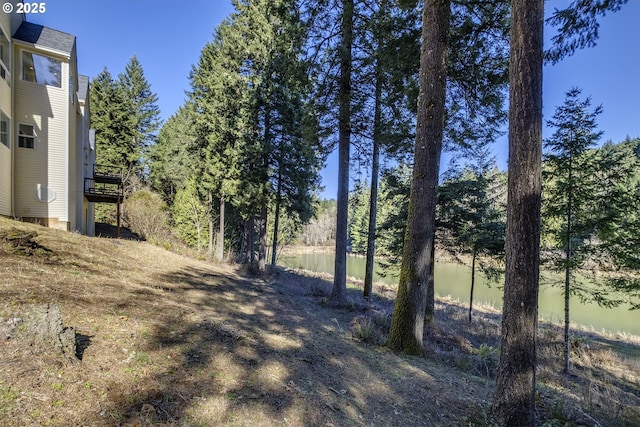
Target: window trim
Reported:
point(8, 131)
point(32, 136)
point(5, 67)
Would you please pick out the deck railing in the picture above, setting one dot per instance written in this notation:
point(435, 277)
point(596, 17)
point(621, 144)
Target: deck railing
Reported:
point(105, 185)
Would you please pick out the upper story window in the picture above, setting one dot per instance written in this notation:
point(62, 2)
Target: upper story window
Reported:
point(4, 129)
point(5, 62)
point(41, 69)
point(26, 136)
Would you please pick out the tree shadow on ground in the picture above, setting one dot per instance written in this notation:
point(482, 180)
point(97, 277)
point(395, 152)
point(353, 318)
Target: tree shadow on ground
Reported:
point(250, 352)
point(110, 231)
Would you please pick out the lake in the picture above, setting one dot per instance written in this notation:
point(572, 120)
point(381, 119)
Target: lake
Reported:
point(454, 280)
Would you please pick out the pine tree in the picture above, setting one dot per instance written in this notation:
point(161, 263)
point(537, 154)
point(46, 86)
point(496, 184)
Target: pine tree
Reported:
point(142, 107)
point(471, 217)
point(570, 189)
point(217, 96)
point(390, 40)
point(407, 324)
point(111, 121)
point(126, 116)
point(288, 142)
point(515, 384)
point(619, 221)
point(173, 159)
point(249, 92)
point(358, 217)
point(339, 291)
point(393, 211)
point(190, 214)
point(472, 80)
point(515, 397)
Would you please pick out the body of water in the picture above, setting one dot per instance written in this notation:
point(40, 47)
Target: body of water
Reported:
point(455, 280)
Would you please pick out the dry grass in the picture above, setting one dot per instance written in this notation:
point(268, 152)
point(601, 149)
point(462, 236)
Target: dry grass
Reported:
point(170, 340)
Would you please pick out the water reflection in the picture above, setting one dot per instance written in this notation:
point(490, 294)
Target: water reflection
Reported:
point(454, 280)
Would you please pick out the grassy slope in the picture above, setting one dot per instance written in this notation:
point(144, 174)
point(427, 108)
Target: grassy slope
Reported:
point(169, 340)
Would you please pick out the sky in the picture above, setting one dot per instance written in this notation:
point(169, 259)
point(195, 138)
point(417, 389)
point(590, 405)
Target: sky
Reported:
point(167, 36)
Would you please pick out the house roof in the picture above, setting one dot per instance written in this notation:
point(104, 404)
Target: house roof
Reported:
point(46, 37)
point(83, 87)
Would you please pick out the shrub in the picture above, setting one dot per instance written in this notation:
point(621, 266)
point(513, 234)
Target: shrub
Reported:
point(366, 330)
point(146, 214)
point(486, 360)
point(191, 216)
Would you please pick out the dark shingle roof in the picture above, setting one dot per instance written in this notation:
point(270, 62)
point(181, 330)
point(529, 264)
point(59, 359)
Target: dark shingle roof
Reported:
point(45, 37)
point(83, 87)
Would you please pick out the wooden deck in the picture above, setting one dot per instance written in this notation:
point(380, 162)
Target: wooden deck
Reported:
point(105, 186)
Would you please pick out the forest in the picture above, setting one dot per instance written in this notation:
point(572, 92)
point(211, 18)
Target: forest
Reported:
point(389, 85)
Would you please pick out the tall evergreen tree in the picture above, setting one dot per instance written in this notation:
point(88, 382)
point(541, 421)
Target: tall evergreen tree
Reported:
point(619, 221)
point(515, 385)
point(515, 397)
point(393, 211)
point(126, 117)
point(571, 188)
point(142, 103)
point(390, 41)
point(471, 212)
point(339, 291)
point(343, 45)
point(249, 90)
point(289, 145)
point(190, 214)
point(297, 158)
point(474, 78)
point(407, 323)
point(222, 84)
point(173, 159)
point(358, 217)
point(111, 121)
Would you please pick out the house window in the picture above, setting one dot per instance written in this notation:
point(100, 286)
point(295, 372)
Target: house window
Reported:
point(26, 136)
point(4, 57)
point(41, 69)
point(4, 129)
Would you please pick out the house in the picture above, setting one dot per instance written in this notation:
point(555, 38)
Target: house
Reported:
point(47, 152)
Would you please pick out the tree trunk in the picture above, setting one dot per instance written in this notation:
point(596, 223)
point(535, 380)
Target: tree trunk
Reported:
point(262, 250)
point(220, 237)
point(211, 232)
point(198, 232)
point(567, 273)
point(473, 282)
point(417, 257)
point(373, 197)
point(250, 229)
point(515, 384)
point(276, 223)
point(431, 281)
point(339, 292)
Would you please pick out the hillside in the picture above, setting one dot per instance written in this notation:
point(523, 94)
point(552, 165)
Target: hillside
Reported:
point(167, 340)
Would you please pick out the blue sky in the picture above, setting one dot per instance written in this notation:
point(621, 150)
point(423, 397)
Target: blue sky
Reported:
point(168, 35)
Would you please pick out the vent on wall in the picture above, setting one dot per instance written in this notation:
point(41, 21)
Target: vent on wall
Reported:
point(45, 194)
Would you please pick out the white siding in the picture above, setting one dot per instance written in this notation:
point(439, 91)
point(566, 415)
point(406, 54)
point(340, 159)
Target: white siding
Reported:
point(8, 26)
point(46, 108)
point(5, 97)
point(5, 180)
point(5, 153)
point(75, 158)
